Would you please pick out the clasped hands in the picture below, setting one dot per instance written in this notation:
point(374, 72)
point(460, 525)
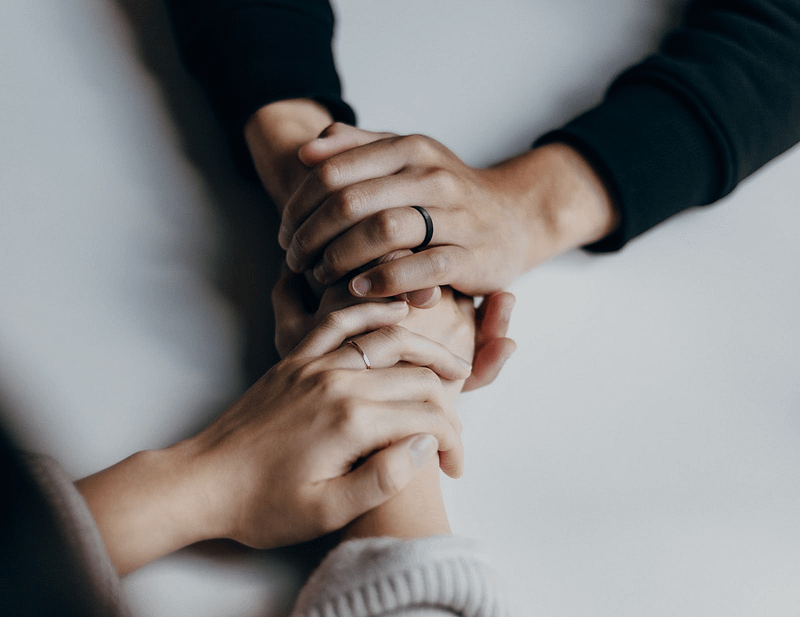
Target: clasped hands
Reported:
point(321, 439)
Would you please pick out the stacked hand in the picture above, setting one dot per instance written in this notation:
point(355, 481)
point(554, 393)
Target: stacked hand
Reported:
point(278, 466)
point(489, 225)
point(354, 207)
point(288, 177)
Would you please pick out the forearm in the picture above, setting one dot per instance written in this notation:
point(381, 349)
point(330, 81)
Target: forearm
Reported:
point(147, 506)
point(274, 134)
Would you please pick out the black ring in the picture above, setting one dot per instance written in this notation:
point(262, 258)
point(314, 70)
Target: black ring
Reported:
point(428, 227)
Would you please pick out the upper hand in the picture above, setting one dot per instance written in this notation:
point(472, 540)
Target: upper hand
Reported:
point(354, 207)
point(489, 225)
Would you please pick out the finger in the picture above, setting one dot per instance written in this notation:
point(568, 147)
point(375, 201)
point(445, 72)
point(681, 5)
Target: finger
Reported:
point(336, 138)
point(382, 476)
point(451, 461)
point(488, 362)
point(441, 265)
point(379, 423)
point(492, 349)
point(391, 344)
point(351, 243)
point(397, 383)
point(384, 157)
point(356, 202)
point(292, 319)
point(361, 163)
point(421, 298)
point(493, 315)
point(336, 327)
point(424, 298)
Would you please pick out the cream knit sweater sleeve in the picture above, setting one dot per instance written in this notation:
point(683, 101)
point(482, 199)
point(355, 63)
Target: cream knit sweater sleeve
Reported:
point(427, 577)
point(442, 576)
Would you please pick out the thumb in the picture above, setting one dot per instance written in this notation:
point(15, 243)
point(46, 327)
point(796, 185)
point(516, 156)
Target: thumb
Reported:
point(335, 139)
point(384, 474)
point(488, 362)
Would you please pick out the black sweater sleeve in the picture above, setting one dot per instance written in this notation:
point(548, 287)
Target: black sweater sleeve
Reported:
point(248, 53)
point(719, 99)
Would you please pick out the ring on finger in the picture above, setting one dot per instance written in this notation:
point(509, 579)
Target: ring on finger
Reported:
point(428, 227)
point(361, 351)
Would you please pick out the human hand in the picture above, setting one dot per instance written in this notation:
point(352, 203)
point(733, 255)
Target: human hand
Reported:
point(489, 224)
point(278, 467)
point(275, 133)
point(294, 320)
point(282, 455)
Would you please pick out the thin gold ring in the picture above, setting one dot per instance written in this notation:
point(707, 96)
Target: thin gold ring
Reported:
point(361, 351)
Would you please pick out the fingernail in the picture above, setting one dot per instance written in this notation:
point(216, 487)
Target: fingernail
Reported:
point(361, 285)
point(420, 297)
point(464, 363)
point(397, 305)
point(323, 273)
point(422, 449)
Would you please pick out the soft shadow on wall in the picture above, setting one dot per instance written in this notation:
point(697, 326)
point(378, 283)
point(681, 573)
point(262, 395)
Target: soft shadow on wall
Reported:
point(251, 257)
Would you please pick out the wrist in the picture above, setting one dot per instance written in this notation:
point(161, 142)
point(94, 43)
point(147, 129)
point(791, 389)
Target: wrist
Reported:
point(565, 203)
point(274, 134)
point(416, 512)
point(148, 505)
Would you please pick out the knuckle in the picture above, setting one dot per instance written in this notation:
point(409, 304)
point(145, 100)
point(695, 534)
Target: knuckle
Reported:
point(430, 381)
point(394, 335)
point(335, 129)
point(306, 373)
point(443, 181)
point(350, 204)
point(301, 241)
point(326, 384)
point(329, 173)
point(439, 265)
point(350, 419)
point(420, 146)
point(336, 258)
point(333, 322)
point(388, 482)
point(387, 225)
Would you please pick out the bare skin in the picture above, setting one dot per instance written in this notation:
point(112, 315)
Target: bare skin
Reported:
point(276, 136)
point(490, 225)
point(277, 467)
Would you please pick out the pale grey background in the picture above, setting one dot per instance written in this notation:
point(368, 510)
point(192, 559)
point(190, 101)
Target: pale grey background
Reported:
point(640, 455)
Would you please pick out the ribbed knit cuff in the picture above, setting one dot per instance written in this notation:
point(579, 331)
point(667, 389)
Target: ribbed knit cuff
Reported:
point(653, 152)
point(438, 576)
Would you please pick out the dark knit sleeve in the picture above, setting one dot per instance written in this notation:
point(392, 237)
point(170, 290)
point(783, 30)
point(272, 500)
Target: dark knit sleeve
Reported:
point(248, 53)
point(719, 99)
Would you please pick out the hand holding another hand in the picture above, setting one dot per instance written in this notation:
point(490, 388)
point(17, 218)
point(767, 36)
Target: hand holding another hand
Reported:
point(279, 466)
point(489, 225)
